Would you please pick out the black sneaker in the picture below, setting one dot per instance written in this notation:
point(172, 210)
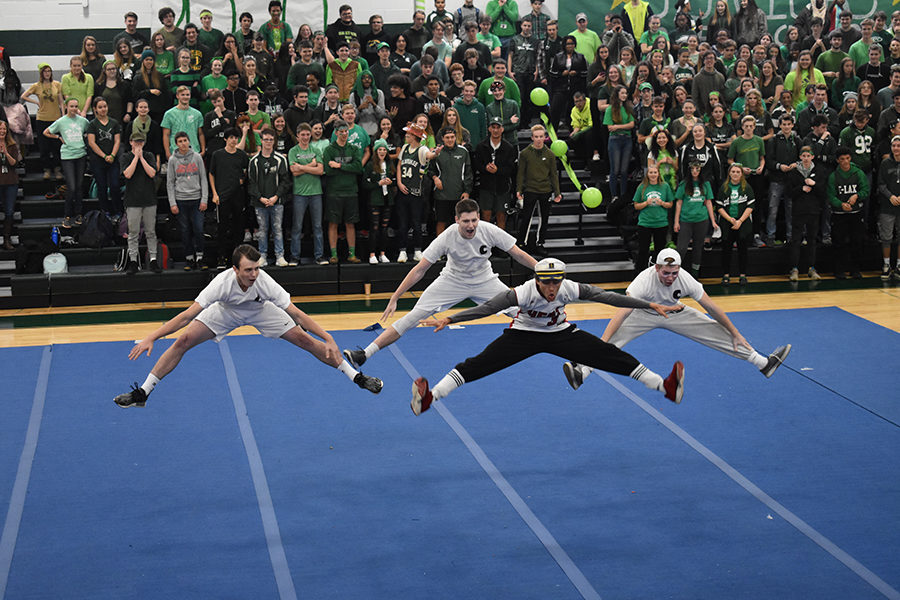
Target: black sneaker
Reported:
point(574, 375)
point(154, 266)
point(356, 358)
point(136, 397)
point(189, 265)
point(373, 384)
point(885, 270)
point(775, 360)
point(221, 265)
point(132, 267)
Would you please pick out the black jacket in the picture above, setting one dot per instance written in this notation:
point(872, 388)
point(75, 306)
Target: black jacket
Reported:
point(571, 83)
point(505, 159)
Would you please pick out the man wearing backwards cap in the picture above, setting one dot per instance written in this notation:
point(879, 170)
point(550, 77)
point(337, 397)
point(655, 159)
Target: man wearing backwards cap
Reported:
point(540, 326)
point(664, 283)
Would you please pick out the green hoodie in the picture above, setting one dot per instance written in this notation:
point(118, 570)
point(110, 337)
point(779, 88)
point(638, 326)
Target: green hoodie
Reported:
point(843, 184)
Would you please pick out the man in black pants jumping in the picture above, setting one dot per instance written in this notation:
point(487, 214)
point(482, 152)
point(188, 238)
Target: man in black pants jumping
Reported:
point(541, 326)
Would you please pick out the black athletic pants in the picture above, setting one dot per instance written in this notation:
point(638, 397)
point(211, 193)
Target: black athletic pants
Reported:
point(515, 345)
point(230, 213)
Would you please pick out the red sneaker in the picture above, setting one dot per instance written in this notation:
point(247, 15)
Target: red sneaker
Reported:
point(674, 383)
point(421, 398)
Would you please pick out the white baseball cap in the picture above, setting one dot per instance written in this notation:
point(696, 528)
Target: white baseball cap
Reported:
point(668, 257)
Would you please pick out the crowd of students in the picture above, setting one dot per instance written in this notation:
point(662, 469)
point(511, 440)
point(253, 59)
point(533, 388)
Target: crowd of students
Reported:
point(732, 133)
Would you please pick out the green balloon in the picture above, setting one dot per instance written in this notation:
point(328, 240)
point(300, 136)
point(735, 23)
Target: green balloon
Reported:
point(539, 97)
point(591, 197)
point(559, 148)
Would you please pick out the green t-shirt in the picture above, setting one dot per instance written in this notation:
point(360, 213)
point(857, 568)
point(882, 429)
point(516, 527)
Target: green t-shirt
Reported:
point(356, 137)
point(189, 121)
point(693, 207)
point(747, 152)
point(80, 90)
point(653, 215)
point(72, 130)
point(165, 62)
point(258, 121)
point(306, 184)
point(210, 82)
point(625, 118)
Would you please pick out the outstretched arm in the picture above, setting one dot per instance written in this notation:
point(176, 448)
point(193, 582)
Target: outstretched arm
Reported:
point(309, 325)
point(587, 291)
point(522, 257)
point(411, 279)
point(719, 315)
point(500, 302)
point(615, 323)
point(173, 325)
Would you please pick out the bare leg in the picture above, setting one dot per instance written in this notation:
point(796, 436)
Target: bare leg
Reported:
point(501, 220)
point(332, 235)
point(196, 333)
point(486, 216)
point(350, 228)
point(440, 227)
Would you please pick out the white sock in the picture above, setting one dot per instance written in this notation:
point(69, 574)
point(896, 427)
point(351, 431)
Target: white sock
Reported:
point(150, 383)
point(450, 382)
point(887, 261)
point(759, 361)
point(647, 377)
point(347, 370)
point(371, 349)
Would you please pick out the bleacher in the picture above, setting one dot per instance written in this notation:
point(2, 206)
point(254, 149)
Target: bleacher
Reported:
point(592, 247)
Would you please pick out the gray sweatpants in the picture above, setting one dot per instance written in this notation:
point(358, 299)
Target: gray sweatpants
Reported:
point(138, 215)
point(690, 322)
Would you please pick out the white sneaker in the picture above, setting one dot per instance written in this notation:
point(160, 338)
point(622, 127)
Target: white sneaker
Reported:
point(383, 259)
point(263, 262)
point(373, 260)
point(280, 262)
point(248, 237)
point(401, 258)
point(417, 255)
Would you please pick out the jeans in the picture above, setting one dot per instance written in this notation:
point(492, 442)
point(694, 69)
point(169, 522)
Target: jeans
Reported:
point(777, 193)
point(109, 192)
point(190, 221)
point(73, 171)
point(138, 215)
point(619, 157)
point(270, 217)
point(301, 203)
point(8, 195)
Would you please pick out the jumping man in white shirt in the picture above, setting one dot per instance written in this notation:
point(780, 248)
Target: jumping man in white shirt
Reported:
point(666, 282)
point(242, 295)
point(467, 245)
point(541, 326)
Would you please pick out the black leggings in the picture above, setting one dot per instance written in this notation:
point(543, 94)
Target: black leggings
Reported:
point(380, 216)
point(515, 345)
point(658, 234)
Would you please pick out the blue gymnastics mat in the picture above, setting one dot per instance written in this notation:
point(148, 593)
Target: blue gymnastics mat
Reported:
point(255, 471)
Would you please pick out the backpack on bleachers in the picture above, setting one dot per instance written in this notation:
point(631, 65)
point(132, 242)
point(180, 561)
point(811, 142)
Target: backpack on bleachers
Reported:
point(97, 230)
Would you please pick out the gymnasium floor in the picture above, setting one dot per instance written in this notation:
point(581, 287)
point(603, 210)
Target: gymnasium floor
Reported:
point(256, 472)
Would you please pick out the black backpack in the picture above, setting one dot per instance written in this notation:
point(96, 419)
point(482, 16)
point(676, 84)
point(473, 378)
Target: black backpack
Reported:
point(97, 230)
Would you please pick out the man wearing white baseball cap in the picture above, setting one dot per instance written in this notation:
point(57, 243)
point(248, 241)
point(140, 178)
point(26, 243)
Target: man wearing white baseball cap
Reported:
point(665, 283)
point(541, 326)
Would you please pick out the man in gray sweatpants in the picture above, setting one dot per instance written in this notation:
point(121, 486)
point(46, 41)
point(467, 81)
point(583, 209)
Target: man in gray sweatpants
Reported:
point(139, 168)
point(664, 283)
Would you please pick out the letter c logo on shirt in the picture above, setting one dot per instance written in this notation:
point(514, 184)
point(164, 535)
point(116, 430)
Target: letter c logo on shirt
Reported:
point(483, 249)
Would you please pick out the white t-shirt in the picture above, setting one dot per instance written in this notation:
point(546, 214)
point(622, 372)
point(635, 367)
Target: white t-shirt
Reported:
point(468, 261)
point(536, 314)
point(225, 289)
point(647, 286)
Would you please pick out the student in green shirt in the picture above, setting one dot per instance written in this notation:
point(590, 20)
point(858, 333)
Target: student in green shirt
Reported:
point(306, 165)
point(619, 120)
point(258, 119)
point(69, 129)
point(214, 81)
point(693, 215)
point(734, 206)
point(652, 199)
point(749, 150)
